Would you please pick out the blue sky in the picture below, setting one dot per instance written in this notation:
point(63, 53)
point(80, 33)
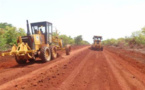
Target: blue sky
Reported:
point(109, 18)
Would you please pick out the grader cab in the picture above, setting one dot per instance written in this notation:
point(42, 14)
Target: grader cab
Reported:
point(38, 43)
point(97, 45)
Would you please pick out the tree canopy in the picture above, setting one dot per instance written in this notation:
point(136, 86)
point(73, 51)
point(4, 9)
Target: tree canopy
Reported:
point(78, 39)
point(9, 34)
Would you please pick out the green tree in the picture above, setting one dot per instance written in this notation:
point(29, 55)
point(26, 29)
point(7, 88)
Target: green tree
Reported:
point(78, 39)
point(4, 25)
point(136, 39)
point(143, 30)
point(56, 34)
point(66, 39)
point(9, 34)
point(85, 42)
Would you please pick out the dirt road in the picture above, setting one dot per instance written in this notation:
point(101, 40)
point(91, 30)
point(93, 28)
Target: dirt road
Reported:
point(84, 69)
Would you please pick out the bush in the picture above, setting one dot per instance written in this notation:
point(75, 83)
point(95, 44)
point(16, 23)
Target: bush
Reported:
point(8, 35)
point(136, 39)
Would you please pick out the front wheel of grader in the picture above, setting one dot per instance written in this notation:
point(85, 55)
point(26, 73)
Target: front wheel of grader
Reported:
point(20, 59)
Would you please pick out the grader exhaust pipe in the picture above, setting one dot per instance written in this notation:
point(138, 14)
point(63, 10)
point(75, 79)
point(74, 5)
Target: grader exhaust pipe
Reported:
point(28, 30)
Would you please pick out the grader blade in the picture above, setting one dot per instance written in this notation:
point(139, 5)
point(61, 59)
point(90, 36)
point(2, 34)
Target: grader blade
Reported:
point(21, 50)
point(13, 51)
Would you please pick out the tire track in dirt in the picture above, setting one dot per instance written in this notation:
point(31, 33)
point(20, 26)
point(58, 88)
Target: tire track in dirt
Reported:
point(85, 69)
point(55, 76)
point(70, 78)
point(127, 73)
point(95, 74)
point(103, 78)
point(23, 79)
point(105, 73)
point(11, 70)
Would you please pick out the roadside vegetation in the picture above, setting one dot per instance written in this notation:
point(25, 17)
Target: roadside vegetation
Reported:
point(136, 40)
point(9, 35)
point(78, 40)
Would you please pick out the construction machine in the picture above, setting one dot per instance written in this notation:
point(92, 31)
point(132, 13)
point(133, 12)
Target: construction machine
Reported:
point(59, 43)
point(39, 42)
point(97, 45)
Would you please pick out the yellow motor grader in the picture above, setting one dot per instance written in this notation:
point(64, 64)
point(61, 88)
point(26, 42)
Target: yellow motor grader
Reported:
point(97, 45)
point(39, 42)
point(58, 42)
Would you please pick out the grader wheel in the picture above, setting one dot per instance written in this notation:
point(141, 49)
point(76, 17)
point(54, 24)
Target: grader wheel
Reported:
point(20, 60)
point(53, 52)
point(68, 49)
point(45, 54)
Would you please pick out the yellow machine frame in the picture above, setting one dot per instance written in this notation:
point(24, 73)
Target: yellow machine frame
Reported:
point(42, 49)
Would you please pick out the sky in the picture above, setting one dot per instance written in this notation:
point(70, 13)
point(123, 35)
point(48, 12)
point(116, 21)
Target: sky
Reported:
point(107, 18)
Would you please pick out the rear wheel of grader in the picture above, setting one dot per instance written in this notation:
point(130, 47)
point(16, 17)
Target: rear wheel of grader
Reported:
point(53, 52)
point(68, 49)
point(20, 60)
point(45, 54)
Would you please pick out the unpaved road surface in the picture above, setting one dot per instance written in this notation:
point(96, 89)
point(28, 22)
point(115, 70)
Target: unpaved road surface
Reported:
point(84, 69)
